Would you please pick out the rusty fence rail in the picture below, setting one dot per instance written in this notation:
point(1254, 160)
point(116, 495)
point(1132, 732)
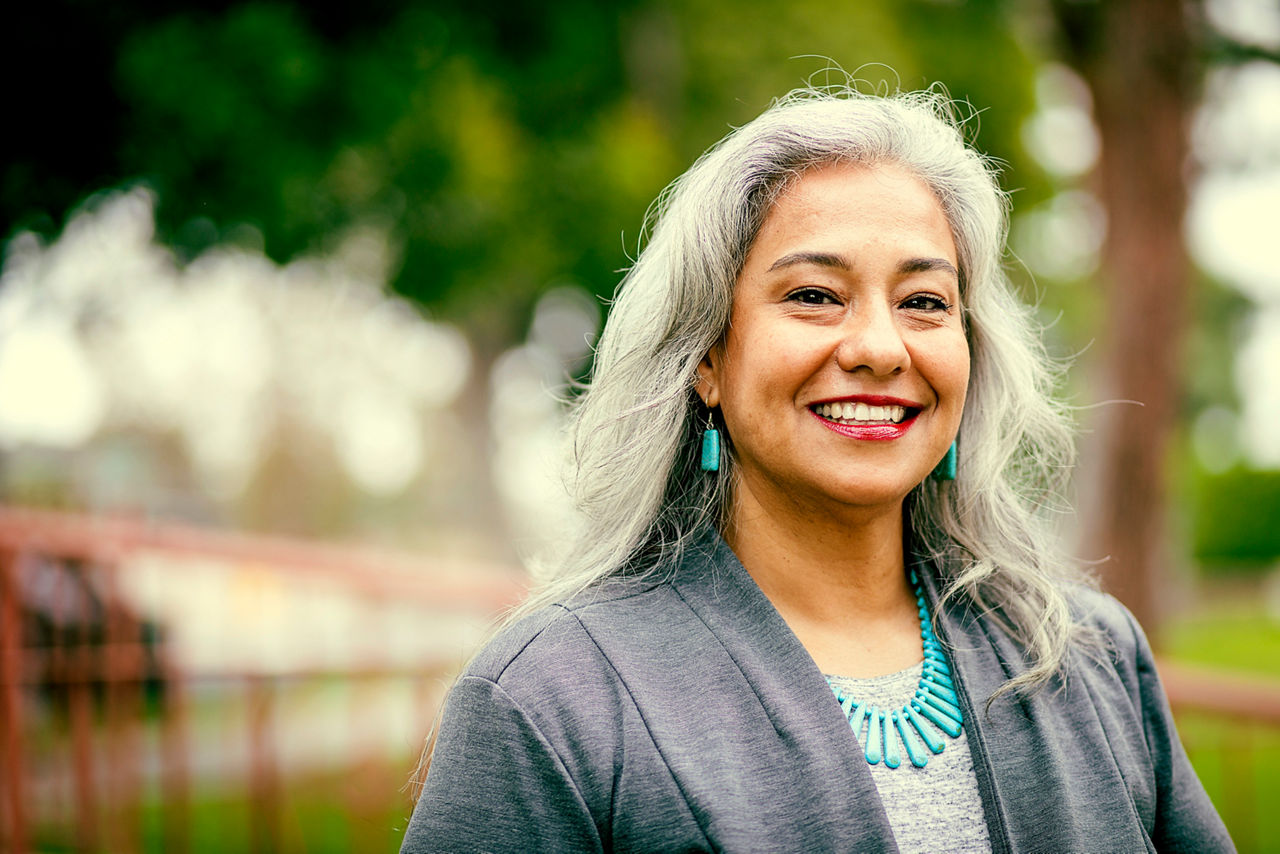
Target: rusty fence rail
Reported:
point(115, 724)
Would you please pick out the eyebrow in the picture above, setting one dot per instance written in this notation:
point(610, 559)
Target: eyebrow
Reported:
point(928, 265)
point(839, 262)
point(818, 259)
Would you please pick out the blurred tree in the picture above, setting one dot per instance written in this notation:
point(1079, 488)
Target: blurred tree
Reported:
point(1137, 57)
point(1144, 61)
point(502, 153)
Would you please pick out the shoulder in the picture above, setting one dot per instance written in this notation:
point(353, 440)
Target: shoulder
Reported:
point(1182, 817)
point(1106, 620)
point(562, 647)
point(1112, 649)
point(561, 683)
point(1101, 611)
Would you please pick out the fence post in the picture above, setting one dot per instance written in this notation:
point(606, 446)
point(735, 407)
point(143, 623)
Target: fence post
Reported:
point(80, 711)
point(264, 805)
point(122, 669)
point(175, 802)
point(11, 675)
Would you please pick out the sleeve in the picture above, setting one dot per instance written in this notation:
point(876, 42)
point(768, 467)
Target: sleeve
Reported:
point(1185, 818)
point(495, 784)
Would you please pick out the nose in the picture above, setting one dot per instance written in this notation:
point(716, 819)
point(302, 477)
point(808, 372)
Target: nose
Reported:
point(871, 340)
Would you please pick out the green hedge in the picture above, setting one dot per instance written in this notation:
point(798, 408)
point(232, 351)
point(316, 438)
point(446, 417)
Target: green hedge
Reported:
point(1237, 518)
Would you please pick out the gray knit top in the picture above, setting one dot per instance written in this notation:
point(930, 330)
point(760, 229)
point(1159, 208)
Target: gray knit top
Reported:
point(934, 808)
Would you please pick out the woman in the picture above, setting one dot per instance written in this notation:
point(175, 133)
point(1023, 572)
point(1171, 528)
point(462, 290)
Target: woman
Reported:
point(814, 605)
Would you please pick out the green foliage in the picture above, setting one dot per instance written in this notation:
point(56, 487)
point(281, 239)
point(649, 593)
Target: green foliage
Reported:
point(507, 153)
point(475, 142)
point(1235, 516)
point(1220, 314)
point(335, 812)
point(504, 153)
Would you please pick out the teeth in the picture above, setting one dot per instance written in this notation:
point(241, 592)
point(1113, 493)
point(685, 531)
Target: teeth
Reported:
point(862, 412)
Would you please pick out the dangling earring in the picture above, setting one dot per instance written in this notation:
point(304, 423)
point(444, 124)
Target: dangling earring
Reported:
point(710, 446)
point(946, 467)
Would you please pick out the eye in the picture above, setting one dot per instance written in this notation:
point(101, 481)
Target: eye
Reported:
point(925, 302)
point(811, 296)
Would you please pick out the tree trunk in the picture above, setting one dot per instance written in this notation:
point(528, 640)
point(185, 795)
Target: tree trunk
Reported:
point(1136, 56)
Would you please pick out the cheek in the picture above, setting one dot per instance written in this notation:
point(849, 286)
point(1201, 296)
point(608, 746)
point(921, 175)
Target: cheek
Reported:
point(962, 370)
point(962, 391)
point(790, 355)
point(949, 369)
point(752, 361)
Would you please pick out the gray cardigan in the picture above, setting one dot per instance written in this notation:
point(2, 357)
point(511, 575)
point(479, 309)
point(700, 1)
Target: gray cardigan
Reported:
point(681, 714)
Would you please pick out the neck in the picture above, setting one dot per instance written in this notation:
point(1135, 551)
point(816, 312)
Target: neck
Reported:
point(822, 568)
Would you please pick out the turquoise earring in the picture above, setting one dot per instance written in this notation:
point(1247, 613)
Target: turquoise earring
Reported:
point(710, 446)
point(946, 467)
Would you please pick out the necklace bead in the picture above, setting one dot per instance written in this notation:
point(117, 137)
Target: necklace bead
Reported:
point(915, 750)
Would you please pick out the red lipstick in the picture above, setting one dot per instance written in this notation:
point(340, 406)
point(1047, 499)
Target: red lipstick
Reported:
point(869, 432)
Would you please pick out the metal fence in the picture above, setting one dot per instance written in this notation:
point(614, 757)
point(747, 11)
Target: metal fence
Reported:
point(152, 702)
point(144, 707)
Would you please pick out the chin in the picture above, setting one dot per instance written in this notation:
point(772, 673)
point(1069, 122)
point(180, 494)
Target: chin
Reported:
point(863, 495)
point(862, 487)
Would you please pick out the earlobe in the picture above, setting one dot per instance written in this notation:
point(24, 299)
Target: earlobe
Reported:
point(707, 387)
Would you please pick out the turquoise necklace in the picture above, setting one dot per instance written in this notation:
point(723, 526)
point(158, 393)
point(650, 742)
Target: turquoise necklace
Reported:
point(935, 702)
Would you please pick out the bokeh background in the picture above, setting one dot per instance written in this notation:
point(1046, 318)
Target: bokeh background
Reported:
point(293, 296)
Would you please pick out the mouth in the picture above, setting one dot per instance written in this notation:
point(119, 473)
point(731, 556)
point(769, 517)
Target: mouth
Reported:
point(872, 418)
point(861, 413)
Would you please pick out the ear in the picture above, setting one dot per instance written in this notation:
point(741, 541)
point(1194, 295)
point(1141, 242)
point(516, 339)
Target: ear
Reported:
point(708, 386)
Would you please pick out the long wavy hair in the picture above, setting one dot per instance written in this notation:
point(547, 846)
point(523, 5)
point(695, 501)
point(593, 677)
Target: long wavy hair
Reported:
point(635, 433)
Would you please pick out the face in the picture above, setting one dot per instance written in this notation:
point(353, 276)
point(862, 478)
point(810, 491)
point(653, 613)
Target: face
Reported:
point(842, 378)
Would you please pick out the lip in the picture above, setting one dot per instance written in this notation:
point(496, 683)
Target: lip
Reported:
point(869, 432)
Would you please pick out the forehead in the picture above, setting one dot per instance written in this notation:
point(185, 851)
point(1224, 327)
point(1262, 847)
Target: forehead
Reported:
point(842, 206)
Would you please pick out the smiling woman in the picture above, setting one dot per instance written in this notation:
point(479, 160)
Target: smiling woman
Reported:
point(814, 604)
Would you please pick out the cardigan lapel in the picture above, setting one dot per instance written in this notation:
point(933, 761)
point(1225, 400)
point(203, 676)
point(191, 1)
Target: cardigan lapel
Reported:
point(781, 677)
point(977, 673)
point(1048, 778)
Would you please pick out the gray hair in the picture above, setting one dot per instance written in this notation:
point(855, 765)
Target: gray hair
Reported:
point(635, 432)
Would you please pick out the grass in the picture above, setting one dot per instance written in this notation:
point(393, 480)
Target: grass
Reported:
point(355, 811)
point(1239, 765)
point(1239, 637)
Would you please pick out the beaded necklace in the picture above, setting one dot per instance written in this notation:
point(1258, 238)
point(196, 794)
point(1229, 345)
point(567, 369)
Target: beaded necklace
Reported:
point(935, 702)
